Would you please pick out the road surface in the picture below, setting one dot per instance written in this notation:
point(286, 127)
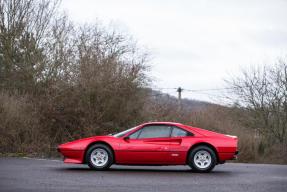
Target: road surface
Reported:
point(29, 175)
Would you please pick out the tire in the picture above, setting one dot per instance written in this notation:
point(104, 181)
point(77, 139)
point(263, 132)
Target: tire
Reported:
point(202, 159)
point(99, 157)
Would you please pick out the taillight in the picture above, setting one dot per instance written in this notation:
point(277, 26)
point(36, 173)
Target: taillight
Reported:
point(232, 136)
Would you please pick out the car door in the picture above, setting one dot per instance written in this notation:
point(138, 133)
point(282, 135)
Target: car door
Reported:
point(179, 145)
point(149, 145)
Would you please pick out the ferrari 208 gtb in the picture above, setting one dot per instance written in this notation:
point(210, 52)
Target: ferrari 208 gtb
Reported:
point(155, 143)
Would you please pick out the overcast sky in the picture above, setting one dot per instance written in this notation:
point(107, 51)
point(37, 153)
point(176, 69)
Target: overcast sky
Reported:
point(195, 43)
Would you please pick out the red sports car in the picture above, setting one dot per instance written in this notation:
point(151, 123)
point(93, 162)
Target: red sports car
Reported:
point(155, 143)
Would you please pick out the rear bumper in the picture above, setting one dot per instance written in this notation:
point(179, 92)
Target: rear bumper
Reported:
point(228, 156)
point(235, 155)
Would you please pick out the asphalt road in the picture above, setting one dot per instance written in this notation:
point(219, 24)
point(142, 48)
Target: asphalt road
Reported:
point(20, 174)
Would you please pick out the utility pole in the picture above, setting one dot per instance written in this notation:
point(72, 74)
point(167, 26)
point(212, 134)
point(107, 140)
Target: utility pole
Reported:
point(179, 90)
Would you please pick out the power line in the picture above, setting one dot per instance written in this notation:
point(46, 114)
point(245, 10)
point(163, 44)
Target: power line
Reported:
point(163, 88)
point(180, 90)
point(197, 90)
point(204, 90)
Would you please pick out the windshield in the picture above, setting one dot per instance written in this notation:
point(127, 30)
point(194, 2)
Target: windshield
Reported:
point(120, 134)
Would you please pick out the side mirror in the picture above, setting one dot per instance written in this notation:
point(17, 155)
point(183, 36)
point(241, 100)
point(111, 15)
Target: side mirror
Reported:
point(127, 138)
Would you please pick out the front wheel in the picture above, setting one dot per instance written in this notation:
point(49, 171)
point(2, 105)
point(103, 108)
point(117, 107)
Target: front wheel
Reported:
point(202, 159)
point(99, 157)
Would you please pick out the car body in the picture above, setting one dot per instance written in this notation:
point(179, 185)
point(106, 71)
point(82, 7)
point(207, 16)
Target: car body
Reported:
point(153, 143)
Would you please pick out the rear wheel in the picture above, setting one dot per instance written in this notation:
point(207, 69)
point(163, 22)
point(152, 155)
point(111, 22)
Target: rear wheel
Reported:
point(99, 157)
point(202, 159)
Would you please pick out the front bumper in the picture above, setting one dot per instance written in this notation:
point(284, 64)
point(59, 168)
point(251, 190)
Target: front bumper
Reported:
point(72, 156)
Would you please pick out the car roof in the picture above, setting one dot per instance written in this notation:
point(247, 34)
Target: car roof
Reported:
point(162, 123)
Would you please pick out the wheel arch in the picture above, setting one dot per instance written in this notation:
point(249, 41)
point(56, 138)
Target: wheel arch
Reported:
point(98, 142)
point(202, 144)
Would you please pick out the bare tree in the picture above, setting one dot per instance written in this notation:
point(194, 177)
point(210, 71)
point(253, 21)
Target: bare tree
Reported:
point(75, 80)
point(262, 92)
point(24, 25)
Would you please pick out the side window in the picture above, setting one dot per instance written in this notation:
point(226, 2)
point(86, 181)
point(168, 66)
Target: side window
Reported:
point(134, 135)
point(177, 132)
point(155, 131)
